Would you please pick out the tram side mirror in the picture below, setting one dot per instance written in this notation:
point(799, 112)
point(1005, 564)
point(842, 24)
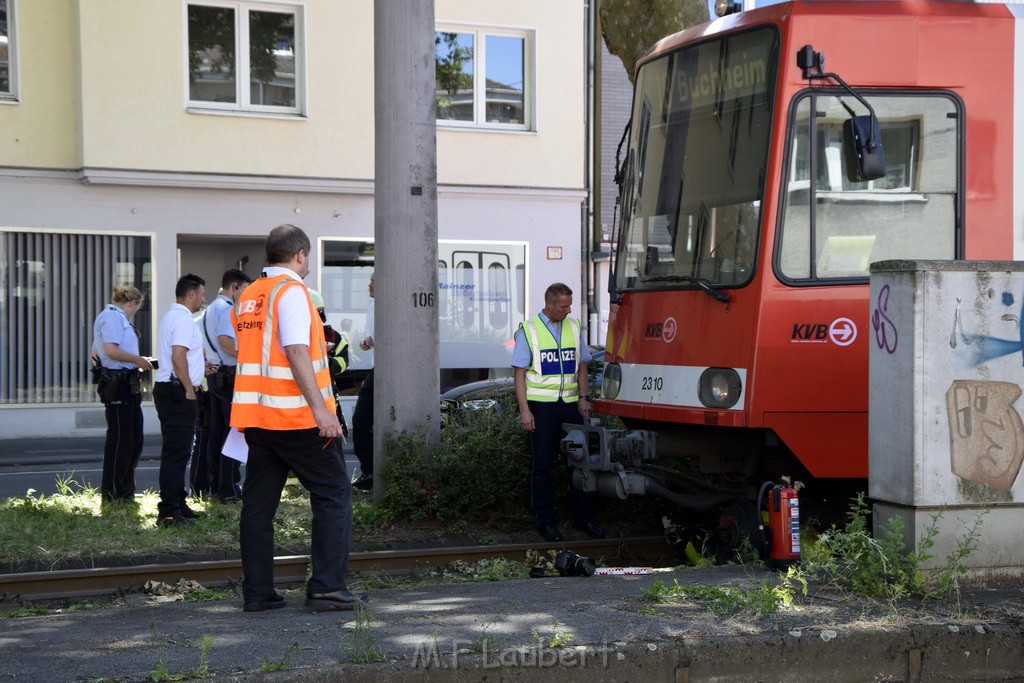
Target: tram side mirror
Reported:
point(862, 138)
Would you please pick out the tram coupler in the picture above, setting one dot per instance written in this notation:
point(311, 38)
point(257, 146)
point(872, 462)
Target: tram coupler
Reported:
point(599, 458)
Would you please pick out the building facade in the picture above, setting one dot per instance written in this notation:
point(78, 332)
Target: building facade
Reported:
point(141, 141)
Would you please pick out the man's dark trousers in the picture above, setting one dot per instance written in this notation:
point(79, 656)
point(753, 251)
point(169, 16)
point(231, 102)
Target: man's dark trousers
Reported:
point(225, 472)
point(362, 427)
point(544, 442)
point(320, 468)
point(123, 446)
point(177, 427)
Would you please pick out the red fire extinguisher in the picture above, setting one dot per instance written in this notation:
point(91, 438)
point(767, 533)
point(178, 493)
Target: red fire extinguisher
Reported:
point(783, 545)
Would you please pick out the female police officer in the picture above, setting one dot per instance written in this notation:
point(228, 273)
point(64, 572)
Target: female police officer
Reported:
point(116, 342)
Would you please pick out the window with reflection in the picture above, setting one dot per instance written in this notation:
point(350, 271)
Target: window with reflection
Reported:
point(245, 56)
point(52, 286)
point(835, 225)
point(7, 50)
point(483, 78)
point(696, 165)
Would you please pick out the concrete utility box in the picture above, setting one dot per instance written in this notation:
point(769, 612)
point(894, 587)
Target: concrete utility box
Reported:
point(946, 365)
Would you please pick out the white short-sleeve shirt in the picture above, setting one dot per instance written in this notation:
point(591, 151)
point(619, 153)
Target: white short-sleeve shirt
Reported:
point(178, 328)
point(292, 314)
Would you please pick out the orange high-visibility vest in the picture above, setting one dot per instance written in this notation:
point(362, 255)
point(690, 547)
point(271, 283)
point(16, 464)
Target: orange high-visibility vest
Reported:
point(266, 393)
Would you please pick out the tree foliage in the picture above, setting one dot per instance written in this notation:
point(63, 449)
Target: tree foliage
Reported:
point(631, 27)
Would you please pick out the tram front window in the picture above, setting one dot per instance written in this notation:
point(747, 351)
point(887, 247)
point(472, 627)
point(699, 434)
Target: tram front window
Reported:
point(696, 164)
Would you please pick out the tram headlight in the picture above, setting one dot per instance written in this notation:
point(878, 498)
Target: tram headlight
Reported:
point(612, 381)
point(719, 387)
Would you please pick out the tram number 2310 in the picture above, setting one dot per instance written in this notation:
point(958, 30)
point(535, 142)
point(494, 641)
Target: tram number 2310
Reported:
point(652, 384)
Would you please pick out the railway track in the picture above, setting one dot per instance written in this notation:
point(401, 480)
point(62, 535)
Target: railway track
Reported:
point(79, 583)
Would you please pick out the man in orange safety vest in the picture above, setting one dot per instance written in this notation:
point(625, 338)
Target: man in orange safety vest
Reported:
point(284, 404)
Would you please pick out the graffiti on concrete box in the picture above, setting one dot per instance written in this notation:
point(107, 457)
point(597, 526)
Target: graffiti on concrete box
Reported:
point(886, 336)
point(986, 432)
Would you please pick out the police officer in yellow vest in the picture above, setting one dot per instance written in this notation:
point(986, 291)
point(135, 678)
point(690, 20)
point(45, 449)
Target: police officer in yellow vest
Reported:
point(284, 403)
point(550, 366)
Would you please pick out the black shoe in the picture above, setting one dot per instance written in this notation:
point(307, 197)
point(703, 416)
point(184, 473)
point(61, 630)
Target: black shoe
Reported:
point(275, 601)
point(550, 533)
point(591, 529)
point(230, 500)
point(364, 483)
point(189, 513)
point(173, 521)
point(338, 600)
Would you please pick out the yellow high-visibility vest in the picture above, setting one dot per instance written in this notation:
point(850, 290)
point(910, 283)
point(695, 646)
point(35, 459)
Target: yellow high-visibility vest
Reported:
point(552, 372)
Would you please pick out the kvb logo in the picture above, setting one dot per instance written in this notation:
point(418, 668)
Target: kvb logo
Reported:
point(809, 333)
point(841, 332)
point(654, 330)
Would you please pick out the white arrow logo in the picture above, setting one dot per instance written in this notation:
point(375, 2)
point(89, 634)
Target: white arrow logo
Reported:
point(842, 331)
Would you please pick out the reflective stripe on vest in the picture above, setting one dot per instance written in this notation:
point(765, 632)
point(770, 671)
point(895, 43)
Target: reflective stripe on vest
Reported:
point(266, 393)
point(552, 372)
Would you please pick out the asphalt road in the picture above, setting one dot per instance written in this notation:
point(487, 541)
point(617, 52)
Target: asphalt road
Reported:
point(42, 464)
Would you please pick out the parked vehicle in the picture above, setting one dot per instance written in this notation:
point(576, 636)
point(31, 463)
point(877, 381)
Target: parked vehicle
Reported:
point(488, 394)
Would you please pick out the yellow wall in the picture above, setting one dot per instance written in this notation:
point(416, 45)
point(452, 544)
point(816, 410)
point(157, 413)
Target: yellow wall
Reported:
point(134, 118)
point(42, 129)
point(553, 155)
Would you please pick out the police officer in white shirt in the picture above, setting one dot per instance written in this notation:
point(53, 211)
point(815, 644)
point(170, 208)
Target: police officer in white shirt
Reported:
point(177, 382)
point(219, 333)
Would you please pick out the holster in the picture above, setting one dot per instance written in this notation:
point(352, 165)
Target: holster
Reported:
point(223, 378)
point(107, 383)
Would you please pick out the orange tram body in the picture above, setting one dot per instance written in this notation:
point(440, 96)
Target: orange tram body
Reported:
point(748, 227)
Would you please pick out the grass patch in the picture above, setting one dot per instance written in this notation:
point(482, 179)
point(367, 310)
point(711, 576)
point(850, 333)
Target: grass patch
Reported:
point(768, 597)
point(74, 526)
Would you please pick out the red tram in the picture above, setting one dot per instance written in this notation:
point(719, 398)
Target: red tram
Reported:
point(752, 206)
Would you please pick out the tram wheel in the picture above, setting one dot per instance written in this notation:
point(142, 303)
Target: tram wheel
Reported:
point(737, 523)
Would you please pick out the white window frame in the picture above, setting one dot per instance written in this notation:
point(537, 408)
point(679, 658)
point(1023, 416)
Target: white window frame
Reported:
point(480, 34)
point(242, 81)
point(12, 54)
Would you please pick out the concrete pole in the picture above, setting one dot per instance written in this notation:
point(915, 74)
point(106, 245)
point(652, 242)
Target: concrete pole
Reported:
point(407, 357)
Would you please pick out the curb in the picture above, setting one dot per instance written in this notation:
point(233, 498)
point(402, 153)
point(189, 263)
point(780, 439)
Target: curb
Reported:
point(912, 654)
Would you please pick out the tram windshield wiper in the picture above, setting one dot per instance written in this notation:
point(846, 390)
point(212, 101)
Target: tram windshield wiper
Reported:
point(700, 283)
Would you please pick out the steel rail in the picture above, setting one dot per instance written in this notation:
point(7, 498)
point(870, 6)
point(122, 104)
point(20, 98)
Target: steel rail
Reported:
point(76, 583)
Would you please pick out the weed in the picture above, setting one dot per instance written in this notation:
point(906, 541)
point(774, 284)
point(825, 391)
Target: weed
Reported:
point(767, 598)
point(26, 611)
point(202, 594)
point(558, 640)
point(494, 569)
point(426, 481)
point(361, 645)
point(366, 516)
point(484, 642)
point(883, 567)
point(161, 673)
point(267, 666)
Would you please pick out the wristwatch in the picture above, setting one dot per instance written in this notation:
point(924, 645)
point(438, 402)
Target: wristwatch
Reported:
point(585, 398)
